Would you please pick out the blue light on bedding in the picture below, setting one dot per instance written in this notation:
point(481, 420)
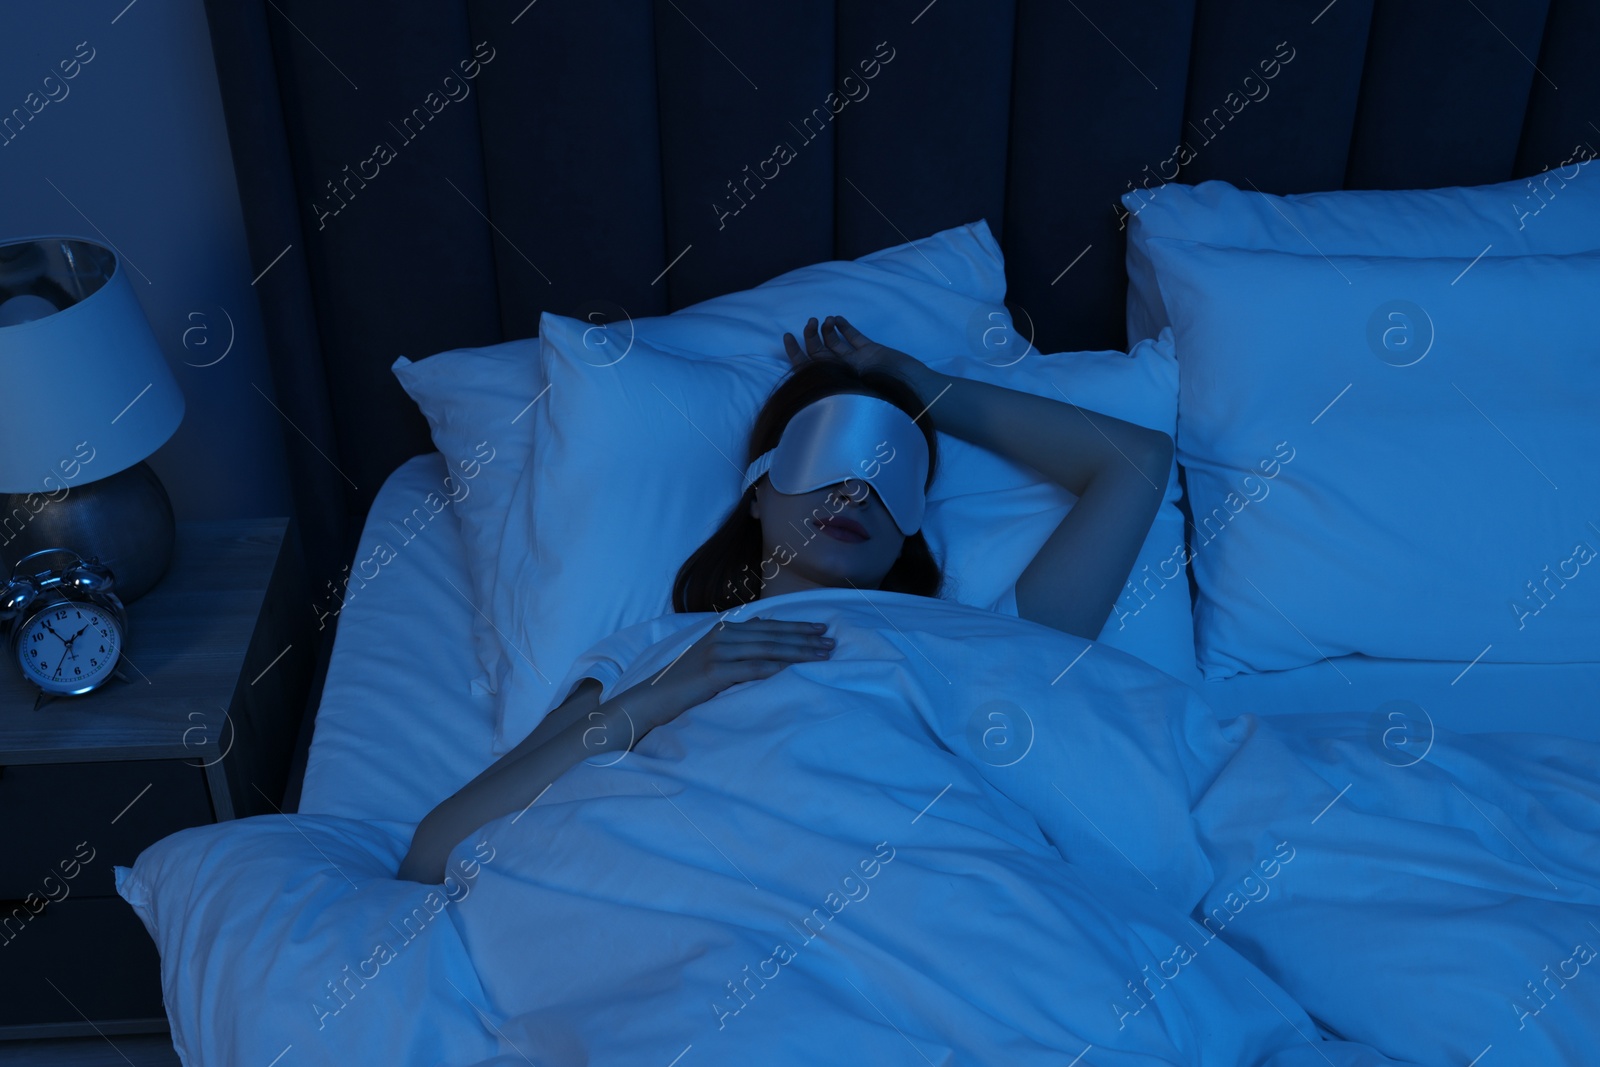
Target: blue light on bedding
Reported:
point(1143, 885)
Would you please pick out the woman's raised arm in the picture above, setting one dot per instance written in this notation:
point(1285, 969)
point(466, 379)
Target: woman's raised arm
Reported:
point(1116, 469)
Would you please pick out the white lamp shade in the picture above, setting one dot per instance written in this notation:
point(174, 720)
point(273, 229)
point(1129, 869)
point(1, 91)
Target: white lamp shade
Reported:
point(87, 380)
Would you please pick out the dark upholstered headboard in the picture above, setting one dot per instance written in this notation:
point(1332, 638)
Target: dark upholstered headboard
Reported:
point(446, 170)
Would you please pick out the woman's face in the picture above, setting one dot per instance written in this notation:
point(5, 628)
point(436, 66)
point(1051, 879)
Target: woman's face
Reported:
point(806, 537)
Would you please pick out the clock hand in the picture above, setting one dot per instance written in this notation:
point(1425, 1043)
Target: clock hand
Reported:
point(70, 651)
point(52, 630)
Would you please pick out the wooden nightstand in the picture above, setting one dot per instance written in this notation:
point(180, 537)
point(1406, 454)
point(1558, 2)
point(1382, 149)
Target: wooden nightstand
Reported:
point(219, 658)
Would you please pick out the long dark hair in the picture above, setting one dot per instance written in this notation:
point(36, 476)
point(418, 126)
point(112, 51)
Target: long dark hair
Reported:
point(717, 576)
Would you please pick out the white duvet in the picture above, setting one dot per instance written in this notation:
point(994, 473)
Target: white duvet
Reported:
point(963, 839)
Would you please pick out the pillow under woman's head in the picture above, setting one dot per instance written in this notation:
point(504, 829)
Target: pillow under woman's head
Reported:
point(775, 541)
point(938, 296)
point(640, 460)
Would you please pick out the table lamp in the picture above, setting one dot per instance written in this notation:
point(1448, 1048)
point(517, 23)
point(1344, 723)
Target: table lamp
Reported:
point(87, 395)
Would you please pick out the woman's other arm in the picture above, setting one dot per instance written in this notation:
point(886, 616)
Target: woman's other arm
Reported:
point(581, 726)
point(727, 654)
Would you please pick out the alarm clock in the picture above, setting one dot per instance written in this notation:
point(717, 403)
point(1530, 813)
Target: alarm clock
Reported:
point(67, 626)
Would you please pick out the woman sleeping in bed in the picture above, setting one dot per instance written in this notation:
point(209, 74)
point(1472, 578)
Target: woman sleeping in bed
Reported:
point(856, 472)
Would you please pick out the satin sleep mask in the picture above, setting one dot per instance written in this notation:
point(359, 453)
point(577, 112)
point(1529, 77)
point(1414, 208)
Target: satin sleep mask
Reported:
point(842, 437)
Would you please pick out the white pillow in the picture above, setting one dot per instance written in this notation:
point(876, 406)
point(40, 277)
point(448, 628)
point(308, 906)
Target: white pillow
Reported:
point(940, 294)
point(640, 460)
point(1388, 456)
point(1557, 211)
point(476, 401)
point(936, 296)
point(993, 516)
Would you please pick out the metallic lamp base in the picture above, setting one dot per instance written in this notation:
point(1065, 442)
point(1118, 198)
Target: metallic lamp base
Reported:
point(125, 519)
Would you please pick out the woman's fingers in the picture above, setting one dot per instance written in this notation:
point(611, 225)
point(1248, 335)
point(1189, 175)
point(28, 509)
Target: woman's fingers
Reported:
point(814, 343)
point(780, 625)
point(775, 639)
point(850, 333)
point(835, 339)
point(791, 347)
point(832, 334)
point(771, 646)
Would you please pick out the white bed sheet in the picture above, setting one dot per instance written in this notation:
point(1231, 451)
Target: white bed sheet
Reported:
point(404, 642)
point(1547, 698)
point(316, 896)
point(1135, 839)
point(399, 727)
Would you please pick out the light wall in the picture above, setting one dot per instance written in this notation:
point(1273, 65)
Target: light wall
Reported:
point(133, 152)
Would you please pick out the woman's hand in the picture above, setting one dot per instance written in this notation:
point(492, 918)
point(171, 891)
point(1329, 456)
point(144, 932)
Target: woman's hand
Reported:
point(839, 339)
point(729, 654)
point(735, 652)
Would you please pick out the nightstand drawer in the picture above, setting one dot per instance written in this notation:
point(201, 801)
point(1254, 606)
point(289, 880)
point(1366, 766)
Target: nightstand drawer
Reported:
point(95, 951)
point(81, 819)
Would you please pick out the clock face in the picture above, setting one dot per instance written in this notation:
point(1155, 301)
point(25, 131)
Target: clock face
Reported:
point(69, 647)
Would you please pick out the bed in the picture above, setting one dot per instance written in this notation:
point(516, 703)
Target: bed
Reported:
point(313, 924)
point(1326, 788)
point(1076, 855)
